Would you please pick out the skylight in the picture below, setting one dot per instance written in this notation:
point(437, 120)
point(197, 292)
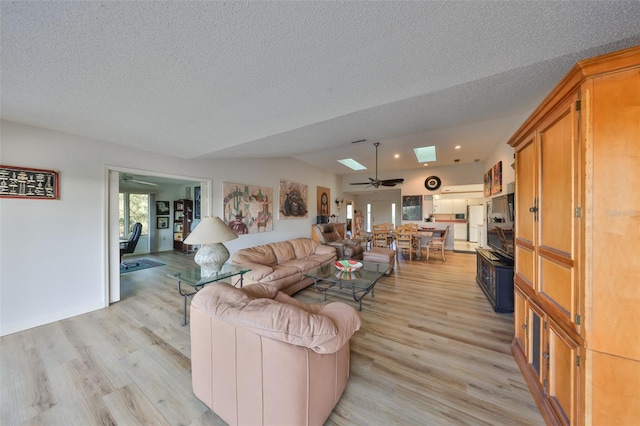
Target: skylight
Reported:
point(352, 164)
point(425, 154)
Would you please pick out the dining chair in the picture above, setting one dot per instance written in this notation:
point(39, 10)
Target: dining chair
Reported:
point(437, 244)
point(380, 236)
point(405, 240)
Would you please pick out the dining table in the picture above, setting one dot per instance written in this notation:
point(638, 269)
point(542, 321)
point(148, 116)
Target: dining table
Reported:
point(424, 235)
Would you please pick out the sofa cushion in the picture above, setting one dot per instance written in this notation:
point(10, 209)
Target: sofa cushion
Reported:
point(267, 317)
point(280, 272)
point(259, 254)
point(283, 251)
point(301, 265)
point(304, 247)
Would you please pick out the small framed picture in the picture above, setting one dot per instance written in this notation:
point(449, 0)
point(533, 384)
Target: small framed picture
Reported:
point(162, 222)
point(162, 208)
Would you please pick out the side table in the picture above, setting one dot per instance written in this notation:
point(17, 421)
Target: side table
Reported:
point(196, 280)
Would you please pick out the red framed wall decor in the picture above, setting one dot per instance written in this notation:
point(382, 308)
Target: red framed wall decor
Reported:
point(24, 182)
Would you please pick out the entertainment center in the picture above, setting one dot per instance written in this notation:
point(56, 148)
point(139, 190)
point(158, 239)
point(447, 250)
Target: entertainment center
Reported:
point(494, 273)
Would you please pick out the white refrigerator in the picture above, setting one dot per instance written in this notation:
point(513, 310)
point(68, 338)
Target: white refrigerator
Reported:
point(475, 218)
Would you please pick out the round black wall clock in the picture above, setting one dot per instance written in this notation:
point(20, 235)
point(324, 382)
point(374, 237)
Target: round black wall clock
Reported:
point(432, 183)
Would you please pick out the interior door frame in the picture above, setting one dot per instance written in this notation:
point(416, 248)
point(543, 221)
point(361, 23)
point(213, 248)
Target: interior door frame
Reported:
point(111, 227)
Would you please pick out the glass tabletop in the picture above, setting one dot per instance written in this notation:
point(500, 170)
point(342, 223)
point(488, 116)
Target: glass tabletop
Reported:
point(367, 275)
point(194, 277)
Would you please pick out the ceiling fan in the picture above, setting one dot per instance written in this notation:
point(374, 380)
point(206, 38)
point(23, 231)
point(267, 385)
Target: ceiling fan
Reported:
point(124, 178)
point(379, 182)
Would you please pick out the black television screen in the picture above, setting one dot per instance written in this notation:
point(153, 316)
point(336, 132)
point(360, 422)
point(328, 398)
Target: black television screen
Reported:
point(494, 241)
point(502, 209)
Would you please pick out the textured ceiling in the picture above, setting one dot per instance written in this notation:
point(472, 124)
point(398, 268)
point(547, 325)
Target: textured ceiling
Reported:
point(301, 79)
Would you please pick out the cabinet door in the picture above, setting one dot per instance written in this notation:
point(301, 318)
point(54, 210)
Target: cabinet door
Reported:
point(526, 214)
point(558, 198)
point(459, 205)
point(563, 382)
point(521, 320)
point(536, 343)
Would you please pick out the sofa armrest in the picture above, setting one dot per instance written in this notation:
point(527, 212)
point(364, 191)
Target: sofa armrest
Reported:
point(346, 320)
point(325, 249)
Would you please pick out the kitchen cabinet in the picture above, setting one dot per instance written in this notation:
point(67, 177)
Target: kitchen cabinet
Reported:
point(459, 205)
point(442, 206)
point(576, 232)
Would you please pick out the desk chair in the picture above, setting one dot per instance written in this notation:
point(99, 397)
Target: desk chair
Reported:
point(130, 245)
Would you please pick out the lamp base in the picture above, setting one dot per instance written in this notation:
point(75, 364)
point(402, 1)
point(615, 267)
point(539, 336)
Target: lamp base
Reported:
point(211, 258)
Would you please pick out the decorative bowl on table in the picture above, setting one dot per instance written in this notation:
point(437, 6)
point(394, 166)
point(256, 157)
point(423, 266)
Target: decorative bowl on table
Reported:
point(347, 265)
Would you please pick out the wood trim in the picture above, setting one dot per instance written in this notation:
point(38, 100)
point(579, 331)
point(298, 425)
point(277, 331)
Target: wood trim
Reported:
point(548, 413)
point(557, 256)
point(611, 62)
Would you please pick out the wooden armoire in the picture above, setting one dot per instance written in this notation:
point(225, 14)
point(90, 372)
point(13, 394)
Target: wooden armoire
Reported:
point(577, 245)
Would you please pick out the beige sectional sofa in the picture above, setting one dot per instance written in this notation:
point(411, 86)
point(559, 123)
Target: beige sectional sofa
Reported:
point(282, 264)
point(260, 357)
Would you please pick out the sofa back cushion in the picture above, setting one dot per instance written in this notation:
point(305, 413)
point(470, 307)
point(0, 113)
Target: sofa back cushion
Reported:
point(283, 251)
point(304, 247)
point(285, 322)
point(263, 255)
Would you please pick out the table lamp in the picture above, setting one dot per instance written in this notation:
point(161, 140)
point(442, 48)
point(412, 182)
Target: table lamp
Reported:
point(210, 233)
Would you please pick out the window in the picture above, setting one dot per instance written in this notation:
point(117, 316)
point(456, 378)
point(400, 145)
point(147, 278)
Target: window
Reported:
point(133, 208)
point(393, 213)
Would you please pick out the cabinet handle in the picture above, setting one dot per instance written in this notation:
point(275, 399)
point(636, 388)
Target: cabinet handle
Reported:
point(545, 355)
point(534, 209)
point(524, 326)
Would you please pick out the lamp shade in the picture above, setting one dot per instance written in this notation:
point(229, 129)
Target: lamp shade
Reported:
point(210, 230)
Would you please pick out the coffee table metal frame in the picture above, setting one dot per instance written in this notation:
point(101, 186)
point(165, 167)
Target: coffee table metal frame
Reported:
point(194, 278)
point(327, 278)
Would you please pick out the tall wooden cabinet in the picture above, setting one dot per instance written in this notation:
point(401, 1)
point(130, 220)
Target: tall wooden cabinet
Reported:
point(577, 224)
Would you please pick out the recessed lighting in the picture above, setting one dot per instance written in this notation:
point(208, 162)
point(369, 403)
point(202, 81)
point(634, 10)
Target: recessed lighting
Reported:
point(425, 154)
point(396, 156)
point(352, 164)
point(457, 160)
point(457, 147)
point(425, 164)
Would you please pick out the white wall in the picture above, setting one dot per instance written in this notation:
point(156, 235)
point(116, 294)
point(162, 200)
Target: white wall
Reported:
point(53, 253)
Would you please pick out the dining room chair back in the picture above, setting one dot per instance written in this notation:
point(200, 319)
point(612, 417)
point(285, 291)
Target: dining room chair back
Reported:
point(436, 244)
point(405, 241)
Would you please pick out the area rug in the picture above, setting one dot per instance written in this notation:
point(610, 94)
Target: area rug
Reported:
point(138, 264)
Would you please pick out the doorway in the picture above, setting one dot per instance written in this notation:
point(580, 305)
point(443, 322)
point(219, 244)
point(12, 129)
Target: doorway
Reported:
point(112, 221)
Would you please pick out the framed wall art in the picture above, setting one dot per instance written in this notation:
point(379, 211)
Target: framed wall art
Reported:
point(412, 207)
point(293, 201)
point(196, 202)
point(162, 222)
point(247, 209)
point(496, 178)
point(24, 182)
point(324, 206)
point(163, 208)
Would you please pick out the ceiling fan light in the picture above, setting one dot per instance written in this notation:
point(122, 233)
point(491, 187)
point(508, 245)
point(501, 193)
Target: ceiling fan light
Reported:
point(425, 154)
point(352, 164)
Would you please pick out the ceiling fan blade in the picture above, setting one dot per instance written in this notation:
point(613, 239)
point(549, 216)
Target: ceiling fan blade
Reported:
point(399, 180)
point(385, 183)
point(361, 183)
point(143, 182)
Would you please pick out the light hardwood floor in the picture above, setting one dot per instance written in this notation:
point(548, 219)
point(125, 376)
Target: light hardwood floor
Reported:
point(430, 352)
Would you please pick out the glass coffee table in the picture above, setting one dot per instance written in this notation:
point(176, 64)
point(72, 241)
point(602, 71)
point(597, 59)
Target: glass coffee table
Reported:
point(196, 280)
point(328, 278)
